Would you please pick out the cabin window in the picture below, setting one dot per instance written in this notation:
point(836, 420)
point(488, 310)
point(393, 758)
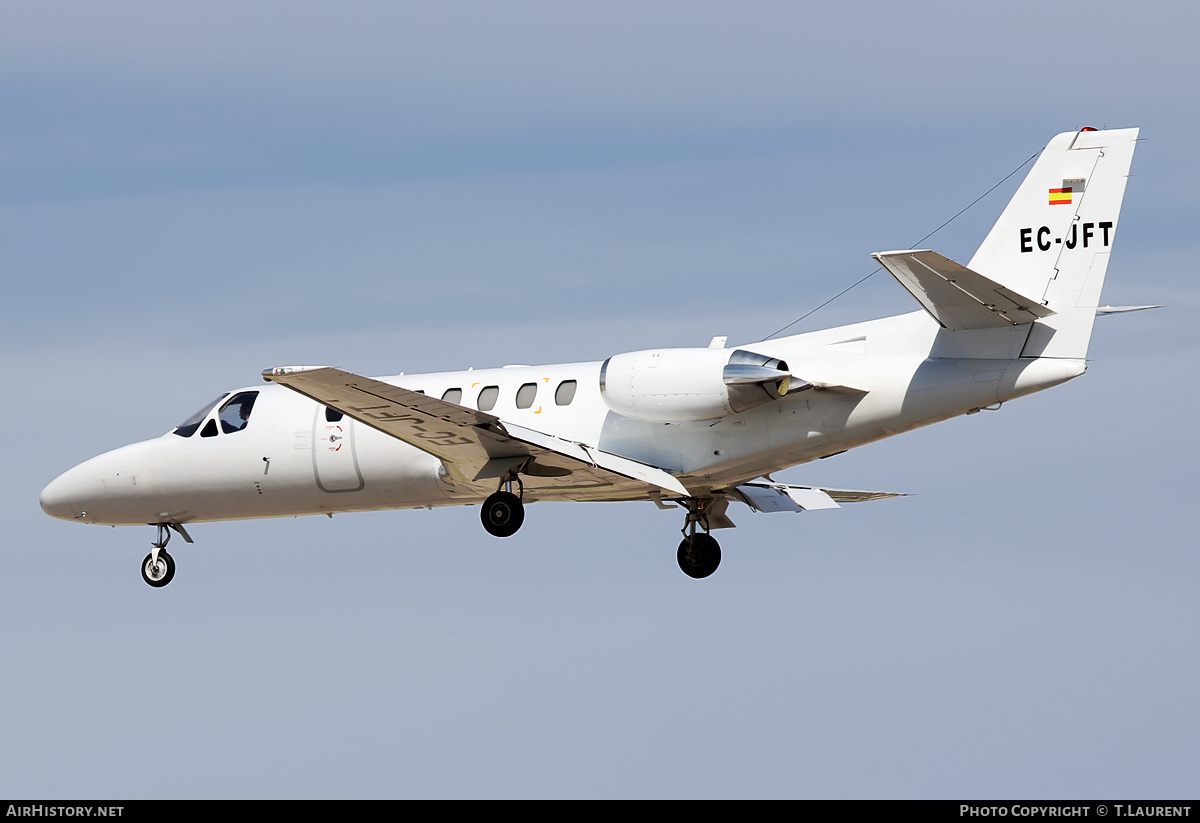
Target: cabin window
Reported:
point(210, 429)
point(332, 415)
point(526, 395)
point(453, 396)
point(235, 414)
point(487, 398)
point(188, 427)
point(565, 393)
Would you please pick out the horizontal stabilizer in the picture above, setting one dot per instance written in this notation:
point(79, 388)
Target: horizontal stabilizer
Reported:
point(780, 497)
point(958, 298)
point(1104, 310)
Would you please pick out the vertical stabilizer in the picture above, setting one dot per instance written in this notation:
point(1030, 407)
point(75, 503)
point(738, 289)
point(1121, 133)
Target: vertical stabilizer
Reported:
point(1053, 240)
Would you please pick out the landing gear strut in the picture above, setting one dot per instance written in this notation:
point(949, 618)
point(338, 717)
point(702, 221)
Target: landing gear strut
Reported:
point(503, 512)
point(699, 554)
point(159, 567)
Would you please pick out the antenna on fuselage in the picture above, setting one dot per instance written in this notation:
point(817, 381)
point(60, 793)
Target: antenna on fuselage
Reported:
point(911, 246)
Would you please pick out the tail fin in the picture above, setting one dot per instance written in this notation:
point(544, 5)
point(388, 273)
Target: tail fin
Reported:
point(1053, 240)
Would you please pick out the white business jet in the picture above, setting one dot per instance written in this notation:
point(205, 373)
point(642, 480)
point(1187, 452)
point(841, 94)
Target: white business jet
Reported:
point(694, 428)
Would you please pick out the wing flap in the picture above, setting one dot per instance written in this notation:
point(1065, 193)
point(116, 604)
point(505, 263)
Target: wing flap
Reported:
point(957, 297)
point(596, 458)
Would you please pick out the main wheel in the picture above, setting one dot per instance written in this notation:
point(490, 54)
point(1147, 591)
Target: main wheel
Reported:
point(159, 574)
point(699, 555)
point(502, 514)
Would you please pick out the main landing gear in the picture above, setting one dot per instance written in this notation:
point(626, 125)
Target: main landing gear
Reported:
point(503, 512)
point(158, 569)
point(699, 554)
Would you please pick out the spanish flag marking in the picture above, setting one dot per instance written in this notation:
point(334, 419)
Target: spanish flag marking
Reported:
point(1060, 197)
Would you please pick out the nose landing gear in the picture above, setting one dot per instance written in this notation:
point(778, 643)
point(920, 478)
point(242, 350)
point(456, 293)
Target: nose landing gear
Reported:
point(699, 554)
point(158, 569)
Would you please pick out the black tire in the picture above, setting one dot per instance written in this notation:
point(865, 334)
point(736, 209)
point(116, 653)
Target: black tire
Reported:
point(162, 575)
point(699, 555)
point(502, 514)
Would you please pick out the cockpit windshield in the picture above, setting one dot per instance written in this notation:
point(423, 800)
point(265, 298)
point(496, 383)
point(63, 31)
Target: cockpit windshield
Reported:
point(188, 427)
point(235, 414)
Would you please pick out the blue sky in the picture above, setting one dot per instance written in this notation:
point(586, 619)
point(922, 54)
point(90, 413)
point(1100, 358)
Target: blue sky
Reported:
point(190, 193)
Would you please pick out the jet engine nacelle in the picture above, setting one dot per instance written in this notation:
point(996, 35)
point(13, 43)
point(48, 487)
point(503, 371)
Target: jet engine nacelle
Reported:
point(686, 385)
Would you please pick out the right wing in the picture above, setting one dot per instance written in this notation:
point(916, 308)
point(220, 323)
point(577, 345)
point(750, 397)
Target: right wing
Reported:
point(780, 497)
point(475, 445)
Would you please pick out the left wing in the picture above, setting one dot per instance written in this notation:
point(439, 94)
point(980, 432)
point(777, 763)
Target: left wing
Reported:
point(475, 445)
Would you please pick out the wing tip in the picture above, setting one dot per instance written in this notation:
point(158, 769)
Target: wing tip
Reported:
point(270, 375)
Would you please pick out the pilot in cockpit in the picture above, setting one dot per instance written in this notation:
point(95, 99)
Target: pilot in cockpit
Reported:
point(235, 414)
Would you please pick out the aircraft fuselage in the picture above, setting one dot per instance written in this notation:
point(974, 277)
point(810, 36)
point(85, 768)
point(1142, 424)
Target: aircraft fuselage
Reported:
point(291, 460)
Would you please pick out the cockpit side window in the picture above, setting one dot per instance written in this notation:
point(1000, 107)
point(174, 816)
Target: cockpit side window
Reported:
point(188, 427)
point(235, 414)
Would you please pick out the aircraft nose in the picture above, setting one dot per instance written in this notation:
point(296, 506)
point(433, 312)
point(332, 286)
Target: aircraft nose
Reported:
point(111, 488)
point(57, 497)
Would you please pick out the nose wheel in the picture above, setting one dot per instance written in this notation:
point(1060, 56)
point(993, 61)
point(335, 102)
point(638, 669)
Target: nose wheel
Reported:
point(158, 571)
point(159, 567)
